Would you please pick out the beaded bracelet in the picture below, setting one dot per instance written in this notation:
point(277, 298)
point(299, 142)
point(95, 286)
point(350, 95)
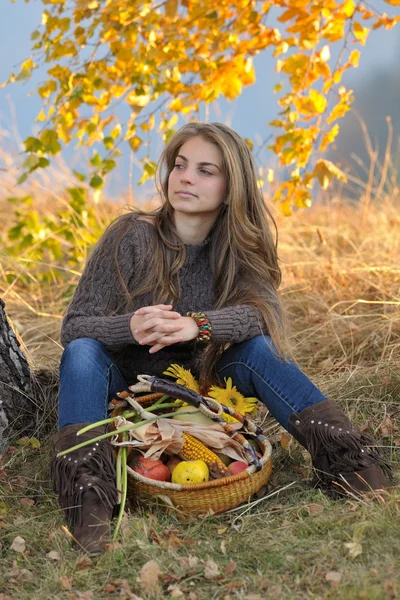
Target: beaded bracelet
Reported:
point(204, 325)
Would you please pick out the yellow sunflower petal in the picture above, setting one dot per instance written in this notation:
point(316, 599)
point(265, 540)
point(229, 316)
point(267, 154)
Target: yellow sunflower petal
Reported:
point(183, 377)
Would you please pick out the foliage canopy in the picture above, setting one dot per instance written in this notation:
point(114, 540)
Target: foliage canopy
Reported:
point(163, 59)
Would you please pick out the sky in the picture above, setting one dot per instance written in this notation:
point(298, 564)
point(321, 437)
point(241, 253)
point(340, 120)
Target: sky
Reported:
point(248, 114)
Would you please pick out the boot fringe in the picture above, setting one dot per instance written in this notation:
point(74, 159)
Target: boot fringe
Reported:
point(72, 505)
point(334, 452)
point(65, 469)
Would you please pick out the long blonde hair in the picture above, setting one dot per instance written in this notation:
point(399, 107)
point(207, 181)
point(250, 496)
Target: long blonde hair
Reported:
point(243, 251)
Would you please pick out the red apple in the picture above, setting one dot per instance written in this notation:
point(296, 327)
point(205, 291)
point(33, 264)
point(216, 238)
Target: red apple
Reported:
point(152, 469)
point(237, 466)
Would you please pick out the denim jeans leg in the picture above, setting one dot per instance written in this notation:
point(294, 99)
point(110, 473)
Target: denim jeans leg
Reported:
point(257, 371)
point(88, 380)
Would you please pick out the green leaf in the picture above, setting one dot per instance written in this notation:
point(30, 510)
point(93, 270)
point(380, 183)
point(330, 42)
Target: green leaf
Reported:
point(49, 139)
point(32, 144)
point(78, 196)
point(108, 142)
point(96, 160)
point(22, 178)
point(79, 176)
point(43, 162)
point(96, 182)
point(26, 442)
point(108, 165)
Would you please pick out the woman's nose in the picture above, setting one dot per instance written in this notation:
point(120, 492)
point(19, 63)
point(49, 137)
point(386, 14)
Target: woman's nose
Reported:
point(187, 176)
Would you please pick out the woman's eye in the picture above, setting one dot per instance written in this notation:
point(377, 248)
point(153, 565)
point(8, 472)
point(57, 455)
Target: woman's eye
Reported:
point(178, 165)
point(205, 172)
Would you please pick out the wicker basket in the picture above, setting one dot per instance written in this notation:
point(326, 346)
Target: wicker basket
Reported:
point(214, 496)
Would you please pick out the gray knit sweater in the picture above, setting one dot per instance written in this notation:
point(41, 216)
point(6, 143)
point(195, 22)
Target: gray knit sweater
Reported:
point(95, 311)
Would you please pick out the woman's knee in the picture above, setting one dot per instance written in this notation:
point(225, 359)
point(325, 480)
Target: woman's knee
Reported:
point(82, 353)
point(259, 347)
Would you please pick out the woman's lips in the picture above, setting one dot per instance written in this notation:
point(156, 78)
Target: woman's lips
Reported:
point(185, 194)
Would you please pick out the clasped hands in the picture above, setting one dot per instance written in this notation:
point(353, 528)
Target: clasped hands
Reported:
point(159, 326)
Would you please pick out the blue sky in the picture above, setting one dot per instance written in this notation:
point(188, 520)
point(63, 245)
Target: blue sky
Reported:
point(249, 114)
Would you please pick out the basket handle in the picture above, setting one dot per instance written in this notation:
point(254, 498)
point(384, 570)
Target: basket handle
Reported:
point(151, 383)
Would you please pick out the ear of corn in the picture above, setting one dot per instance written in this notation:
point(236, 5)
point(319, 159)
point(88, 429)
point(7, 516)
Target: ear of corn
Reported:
point(194, 449)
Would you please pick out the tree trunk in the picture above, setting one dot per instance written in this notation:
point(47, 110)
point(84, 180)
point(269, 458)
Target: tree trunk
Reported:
point(27, 400)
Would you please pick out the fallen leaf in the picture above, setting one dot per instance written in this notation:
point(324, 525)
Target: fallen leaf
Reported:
point(26, 575)
point(175, 542)
point(20, 574)
point(390, 589)
point(175, 592)
point(354, 548)
point(66, 582)
point(222, 530)
point(274, 591)
point(230, 567)
point(387, 426)
point(85, 595)
point(188, 562)
point(109, 588)
point(223, 547)
point(18, 544)
point(314, 509)
point(286, 440)
point(84, 561)
point(27, 501)
point(334, 577)
point(126, 592)
point(113, 546)
point(211, 569)
point(53, 555)
point(149, 578)
point(192, 596)
point(19, 520)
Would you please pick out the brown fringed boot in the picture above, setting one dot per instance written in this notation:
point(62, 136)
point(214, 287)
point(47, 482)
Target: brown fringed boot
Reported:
point(85, 483)
point(343, 458)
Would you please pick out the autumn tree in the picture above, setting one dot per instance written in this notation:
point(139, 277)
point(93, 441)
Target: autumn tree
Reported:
point(167, 58)
point(164, 59)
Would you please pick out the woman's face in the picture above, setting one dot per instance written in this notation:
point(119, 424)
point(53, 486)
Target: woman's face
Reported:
point(197, 183)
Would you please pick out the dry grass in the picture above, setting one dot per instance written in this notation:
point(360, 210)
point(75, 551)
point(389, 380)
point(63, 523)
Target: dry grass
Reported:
point(341, 287)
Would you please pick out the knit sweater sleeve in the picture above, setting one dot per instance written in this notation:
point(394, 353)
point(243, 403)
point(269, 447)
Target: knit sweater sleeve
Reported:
point(95, 311)
point(235, 324)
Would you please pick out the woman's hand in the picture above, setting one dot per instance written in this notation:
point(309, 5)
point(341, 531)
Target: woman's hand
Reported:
point(158, 326)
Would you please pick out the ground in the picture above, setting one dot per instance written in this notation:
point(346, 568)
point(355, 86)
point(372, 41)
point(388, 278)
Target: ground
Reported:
point(341, 288)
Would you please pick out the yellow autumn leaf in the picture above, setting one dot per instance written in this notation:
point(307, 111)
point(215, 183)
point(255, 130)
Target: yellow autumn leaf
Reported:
point(360, 32)
point(135, 142)
point(349, 7)
point(329, 137)
point(302, 198)
point(230, 87)
point(354, 58)
point(325, 171)
point(315, 103)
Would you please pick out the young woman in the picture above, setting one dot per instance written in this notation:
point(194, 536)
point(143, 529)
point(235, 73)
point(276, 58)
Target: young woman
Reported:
point(195, 283)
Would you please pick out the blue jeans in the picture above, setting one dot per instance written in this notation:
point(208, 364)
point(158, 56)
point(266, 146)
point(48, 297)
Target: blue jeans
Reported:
point(89, 379)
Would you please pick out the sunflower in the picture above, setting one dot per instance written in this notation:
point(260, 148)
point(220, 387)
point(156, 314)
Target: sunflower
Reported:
point(230, 396)
point(183, 377)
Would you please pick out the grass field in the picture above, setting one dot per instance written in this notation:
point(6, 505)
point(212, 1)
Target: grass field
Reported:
point(342, 290)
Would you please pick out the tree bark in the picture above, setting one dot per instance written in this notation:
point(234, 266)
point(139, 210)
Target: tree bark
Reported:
point(27, 400)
